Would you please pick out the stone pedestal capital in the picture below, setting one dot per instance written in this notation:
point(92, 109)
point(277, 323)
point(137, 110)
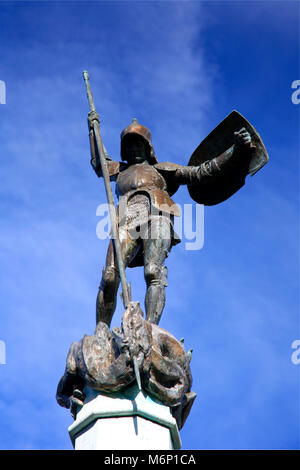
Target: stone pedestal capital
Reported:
point(128, 420)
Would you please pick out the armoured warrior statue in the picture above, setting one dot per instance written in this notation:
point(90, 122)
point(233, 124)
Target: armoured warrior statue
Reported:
point(146, 211)
point(109, 361)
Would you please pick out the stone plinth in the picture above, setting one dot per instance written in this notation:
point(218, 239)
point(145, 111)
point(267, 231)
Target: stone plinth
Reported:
point(130, 420)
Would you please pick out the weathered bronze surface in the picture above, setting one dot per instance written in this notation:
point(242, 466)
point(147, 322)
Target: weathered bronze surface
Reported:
point(143, 235)
point(242, 160)
point(104, 361)
point(216, 170)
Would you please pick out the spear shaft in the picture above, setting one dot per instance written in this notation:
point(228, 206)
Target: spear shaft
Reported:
point(109, 194)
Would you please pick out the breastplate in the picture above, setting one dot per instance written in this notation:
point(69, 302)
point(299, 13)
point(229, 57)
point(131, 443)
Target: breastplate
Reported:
point(141, 176)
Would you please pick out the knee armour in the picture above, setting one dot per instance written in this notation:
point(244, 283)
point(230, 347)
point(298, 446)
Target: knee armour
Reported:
point(110, 276)
point(156, 274)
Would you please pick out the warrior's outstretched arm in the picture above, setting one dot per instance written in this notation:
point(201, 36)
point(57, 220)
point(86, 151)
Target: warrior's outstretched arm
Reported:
point(219, 164)
point(242, 144)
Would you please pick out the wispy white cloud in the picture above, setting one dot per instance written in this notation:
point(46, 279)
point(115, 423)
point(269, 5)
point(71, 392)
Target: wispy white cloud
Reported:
point(51, 259)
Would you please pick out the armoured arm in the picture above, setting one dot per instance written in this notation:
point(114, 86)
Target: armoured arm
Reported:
point(176, 175)
point(113, 167)
point(220, 164)
point(242, 147)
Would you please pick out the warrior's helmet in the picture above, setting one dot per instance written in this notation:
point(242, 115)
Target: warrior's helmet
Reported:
point(144, 132)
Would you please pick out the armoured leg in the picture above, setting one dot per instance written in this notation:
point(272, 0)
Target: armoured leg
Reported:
point(155, 252)
point(107, 294)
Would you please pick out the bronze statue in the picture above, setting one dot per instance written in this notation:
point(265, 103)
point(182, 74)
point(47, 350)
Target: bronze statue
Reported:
point(144, 188)
point(143, 235)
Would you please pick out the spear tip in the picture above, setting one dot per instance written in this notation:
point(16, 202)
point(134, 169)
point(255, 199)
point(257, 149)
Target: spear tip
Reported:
point(85, 74)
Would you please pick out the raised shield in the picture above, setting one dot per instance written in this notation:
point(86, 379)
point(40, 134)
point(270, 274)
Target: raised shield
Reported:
point(216, 189)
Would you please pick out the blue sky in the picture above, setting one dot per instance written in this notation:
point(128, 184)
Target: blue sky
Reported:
point(180, 68)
